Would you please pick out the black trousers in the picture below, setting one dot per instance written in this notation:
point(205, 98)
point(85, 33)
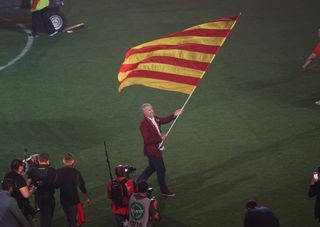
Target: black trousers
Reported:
point(46, 203)
point(71, 215)
point(155, 164)
point(41, 17)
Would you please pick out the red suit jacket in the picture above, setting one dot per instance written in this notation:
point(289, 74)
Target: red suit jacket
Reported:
point(151, 137)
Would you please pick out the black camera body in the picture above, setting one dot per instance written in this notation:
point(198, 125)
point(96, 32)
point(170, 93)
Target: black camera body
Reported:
point(128, 169)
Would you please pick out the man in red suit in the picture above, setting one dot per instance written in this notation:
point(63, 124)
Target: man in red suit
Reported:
point(150, 129)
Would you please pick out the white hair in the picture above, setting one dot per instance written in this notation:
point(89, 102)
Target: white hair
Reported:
point(144, 105)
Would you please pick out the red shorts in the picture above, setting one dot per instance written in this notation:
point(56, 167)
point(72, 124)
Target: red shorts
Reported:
point(316, 51)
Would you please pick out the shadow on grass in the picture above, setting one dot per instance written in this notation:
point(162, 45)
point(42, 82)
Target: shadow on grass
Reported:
point(67, 134)
point(197, 192)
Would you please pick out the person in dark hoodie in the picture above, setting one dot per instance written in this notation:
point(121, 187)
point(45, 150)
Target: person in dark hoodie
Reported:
point(259, 216)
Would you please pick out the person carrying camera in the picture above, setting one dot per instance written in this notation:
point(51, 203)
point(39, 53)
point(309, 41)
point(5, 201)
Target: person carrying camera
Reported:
point(21, 191)
point(119, 191)
point(143, 211)
point(42, 177)
point(314, 191)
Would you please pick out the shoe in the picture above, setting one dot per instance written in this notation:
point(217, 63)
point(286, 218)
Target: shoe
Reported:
point(317, 103)
point(167, 193)
point(53, 33)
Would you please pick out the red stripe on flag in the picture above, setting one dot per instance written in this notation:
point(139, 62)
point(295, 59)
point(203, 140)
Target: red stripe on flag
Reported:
point(194, 47)
point(164, 76)
point(202, 32)
point(168, 60)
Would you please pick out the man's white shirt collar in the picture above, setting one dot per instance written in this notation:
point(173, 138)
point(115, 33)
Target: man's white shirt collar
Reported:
point(155, 124)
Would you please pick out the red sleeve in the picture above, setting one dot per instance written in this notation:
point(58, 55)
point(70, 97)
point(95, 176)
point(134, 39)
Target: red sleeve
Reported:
point(165, 120)
point(131, 186)
point(316, 51)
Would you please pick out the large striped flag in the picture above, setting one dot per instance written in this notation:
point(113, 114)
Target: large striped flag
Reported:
point(176, 62)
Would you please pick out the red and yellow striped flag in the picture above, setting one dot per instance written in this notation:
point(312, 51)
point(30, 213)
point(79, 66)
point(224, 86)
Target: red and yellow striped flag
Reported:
point(176, 62)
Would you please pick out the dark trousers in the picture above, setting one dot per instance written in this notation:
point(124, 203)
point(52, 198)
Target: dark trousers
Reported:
point(27, 210)
point(46, 203)
point(155, 164)
point(71, 215)
point(39, 17)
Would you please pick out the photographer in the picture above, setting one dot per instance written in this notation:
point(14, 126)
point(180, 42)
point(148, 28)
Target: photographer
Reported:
point(314, 190)
point(43, 177)
point(142, 209)
point(119, 191)
point(21, 191)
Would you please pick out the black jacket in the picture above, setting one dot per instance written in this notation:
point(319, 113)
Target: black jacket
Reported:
point(261, 216)
point(314, 190)
point(69, 180)
point(43, 177)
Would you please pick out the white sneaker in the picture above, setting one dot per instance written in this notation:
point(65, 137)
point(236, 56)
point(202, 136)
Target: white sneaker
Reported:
point(317, 103)
point(53, 33)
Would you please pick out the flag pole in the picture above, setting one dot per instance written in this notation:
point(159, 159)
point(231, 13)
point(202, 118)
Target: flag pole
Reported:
point(182, 108)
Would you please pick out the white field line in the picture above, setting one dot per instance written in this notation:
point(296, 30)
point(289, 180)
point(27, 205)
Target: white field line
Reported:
point(24, 50)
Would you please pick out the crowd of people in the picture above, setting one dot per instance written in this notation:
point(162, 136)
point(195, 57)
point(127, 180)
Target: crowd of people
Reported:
point(41, 181)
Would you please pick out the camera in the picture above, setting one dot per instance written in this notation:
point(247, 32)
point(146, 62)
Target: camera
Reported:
point(30, 162)
point(129, 169)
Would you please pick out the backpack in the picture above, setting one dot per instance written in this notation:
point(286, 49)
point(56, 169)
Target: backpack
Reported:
point(119, 193)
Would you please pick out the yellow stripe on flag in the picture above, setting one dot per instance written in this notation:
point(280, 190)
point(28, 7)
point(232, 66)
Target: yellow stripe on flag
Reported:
point(158, 67)
point(159, 84)
point(212, 41)
point(182, 54)
point(214, 25)
point(175, 69)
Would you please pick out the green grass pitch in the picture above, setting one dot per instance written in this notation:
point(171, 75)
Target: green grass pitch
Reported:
point(250, 131)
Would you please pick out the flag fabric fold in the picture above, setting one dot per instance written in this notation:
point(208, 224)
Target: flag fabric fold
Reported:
point(176, 62)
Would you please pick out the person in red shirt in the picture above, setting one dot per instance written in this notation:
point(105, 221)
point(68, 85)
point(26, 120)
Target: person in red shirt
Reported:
point(120, 211)
point(315, 53)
